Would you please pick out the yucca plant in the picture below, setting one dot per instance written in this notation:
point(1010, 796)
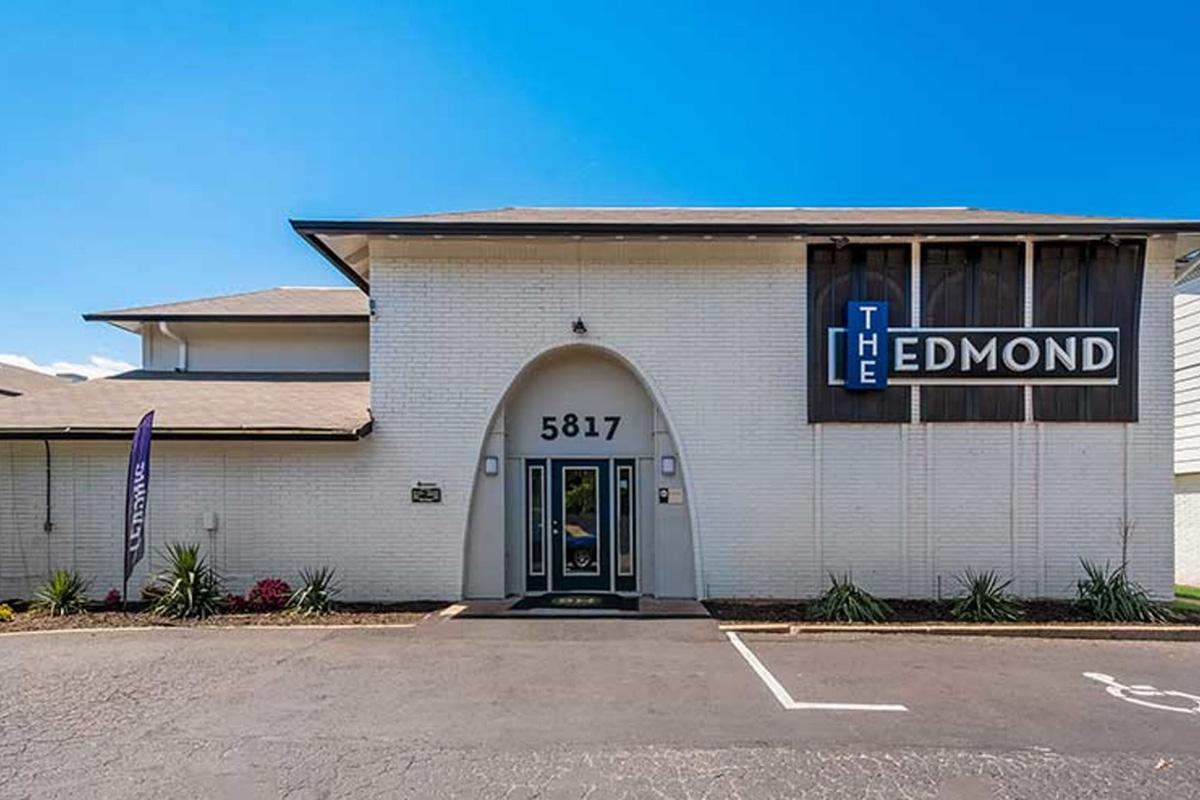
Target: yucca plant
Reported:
point(65, 593)
point(985, 599)
point(316, 593)
point(188, 588)
point(843, 601)
point(1109, 595)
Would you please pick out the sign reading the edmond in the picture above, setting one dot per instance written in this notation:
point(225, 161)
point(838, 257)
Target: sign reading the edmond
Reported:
point(866, 354)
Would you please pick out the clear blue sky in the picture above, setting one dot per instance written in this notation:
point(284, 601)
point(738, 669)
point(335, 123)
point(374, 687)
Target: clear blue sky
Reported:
point(152, 152)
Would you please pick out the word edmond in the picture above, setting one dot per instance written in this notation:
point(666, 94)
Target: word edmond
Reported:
point(1022, 353)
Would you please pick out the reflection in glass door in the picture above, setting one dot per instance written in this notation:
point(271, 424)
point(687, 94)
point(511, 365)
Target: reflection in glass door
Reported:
point(581, 534)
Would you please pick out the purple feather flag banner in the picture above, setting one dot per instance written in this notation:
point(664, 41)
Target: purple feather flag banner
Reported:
point(137, 492)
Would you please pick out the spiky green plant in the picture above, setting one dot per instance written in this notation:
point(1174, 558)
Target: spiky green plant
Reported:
point(1109, 595)
point(188, 588)
point(65, 593)
point(316, 593)
point(843, 601)
point(985, 599)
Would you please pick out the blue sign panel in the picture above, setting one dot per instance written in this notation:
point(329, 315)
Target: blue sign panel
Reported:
point(866, 345)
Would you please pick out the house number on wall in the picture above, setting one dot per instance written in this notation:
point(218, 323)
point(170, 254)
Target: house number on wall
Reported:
point(574, 425)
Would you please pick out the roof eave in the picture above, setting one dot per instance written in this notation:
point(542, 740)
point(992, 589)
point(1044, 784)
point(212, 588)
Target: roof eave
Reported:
point(192, 434)
point(313, 238)
point(118, 318)
point(313, 230)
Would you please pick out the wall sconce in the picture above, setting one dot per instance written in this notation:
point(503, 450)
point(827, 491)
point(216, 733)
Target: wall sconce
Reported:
point(579, 327)
point(667, 465)
point(491, 465)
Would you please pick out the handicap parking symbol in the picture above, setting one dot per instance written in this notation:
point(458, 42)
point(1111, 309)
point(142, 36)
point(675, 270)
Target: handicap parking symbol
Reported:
point(1143, 695)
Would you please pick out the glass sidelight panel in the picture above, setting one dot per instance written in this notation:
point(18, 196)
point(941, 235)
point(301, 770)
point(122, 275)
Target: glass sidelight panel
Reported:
point(624, 521)
point(581, 532)
point(536, 492)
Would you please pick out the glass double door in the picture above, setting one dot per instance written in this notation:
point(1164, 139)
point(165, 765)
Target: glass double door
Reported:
point(580, 520)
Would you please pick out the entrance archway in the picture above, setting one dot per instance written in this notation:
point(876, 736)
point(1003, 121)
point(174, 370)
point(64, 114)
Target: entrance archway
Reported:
point(589, 492)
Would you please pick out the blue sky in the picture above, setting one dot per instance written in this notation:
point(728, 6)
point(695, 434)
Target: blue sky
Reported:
point(152, 152)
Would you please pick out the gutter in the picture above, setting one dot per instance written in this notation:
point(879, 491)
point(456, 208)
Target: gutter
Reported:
point(309, 228)
point(117, 434)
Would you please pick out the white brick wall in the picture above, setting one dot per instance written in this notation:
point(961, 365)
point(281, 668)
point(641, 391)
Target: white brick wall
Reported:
point(718, 330)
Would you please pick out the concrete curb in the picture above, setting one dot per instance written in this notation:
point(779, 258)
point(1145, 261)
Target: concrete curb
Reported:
point(1161, 633)
point(202, 628)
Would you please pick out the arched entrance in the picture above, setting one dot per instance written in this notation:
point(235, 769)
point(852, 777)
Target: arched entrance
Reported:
point(590, 490)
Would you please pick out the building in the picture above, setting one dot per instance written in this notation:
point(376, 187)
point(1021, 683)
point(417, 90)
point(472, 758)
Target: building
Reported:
point(1187, 420)
point(678, 402)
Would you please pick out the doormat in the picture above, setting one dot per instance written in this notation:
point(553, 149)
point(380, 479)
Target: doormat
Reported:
point(581, 602)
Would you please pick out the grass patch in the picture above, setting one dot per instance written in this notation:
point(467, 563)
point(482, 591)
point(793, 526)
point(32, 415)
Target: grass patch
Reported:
point(1187, 592)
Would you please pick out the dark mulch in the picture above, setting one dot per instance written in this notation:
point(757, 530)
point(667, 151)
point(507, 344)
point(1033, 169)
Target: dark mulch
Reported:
point(904, 611)
point(342, 614)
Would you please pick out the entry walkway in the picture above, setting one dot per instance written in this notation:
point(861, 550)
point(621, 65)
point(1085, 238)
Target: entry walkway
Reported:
point(646, 608)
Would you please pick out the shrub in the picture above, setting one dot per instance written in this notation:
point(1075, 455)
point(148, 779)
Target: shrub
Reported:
point(189, 587)
point(1109, 595)
point(985, 599)
point(112, 600)
point(6, 612)
point(269, 594)
point(845, 602)
point(65, 593)
point(317, 593)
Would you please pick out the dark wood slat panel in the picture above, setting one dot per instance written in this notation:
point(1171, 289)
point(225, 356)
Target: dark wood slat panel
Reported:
point(836, 276)
point(975, 284)
point(1090, 284)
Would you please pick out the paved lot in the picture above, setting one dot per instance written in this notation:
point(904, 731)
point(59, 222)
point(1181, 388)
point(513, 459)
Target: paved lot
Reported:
point(586, 708)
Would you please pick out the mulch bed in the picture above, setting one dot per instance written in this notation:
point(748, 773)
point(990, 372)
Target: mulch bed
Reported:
point(343, 614)
point(796, 611)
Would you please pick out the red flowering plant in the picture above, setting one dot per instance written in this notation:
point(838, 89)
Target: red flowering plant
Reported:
point(112, 600)
point(269, 594)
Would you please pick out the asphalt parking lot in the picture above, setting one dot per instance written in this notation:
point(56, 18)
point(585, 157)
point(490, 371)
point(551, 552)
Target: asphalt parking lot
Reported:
point(592, 708)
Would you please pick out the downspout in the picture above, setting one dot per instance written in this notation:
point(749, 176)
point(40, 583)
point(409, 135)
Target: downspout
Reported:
point(183, 348)
point(48, 525)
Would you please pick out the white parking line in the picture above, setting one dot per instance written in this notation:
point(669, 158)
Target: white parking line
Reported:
point(785, 698)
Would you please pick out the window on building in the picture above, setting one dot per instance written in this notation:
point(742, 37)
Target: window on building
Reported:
point(1090, 284)
point(835, 276)
point(976, 284)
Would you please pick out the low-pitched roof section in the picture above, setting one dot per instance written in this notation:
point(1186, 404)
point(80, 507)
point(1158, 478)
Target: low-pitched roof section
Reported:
point(282, 304)
point(343, 242)
point(279, 406)
point(16, 381)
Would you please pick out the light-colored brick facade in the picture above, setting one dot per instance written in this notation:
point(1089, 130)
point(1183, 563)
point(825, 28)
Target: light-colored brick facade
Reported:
point(717, 330)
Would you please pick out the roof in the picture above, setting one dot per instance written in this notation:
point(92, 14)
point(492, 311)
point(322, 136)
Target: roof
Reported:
point(282, 304)
point(18, 381)
point(197, 406)
point(917, 215)
point(343, 242)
